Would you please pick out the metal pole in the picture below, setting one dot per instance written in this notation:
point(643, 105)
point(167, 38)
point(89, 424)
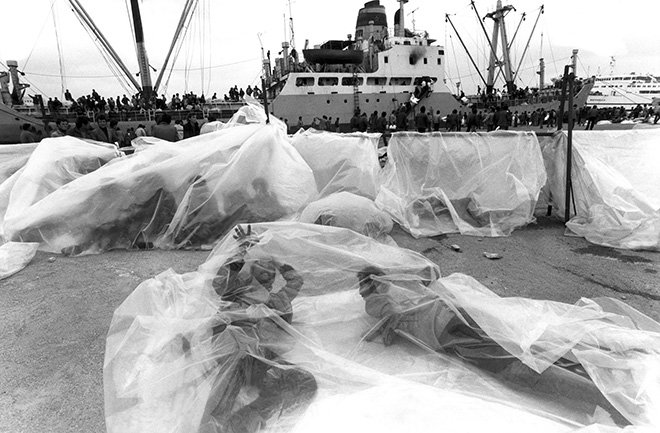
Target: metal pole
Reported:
point(263, 88)
point(564, 84)
point(569, 148)
point(143, 60)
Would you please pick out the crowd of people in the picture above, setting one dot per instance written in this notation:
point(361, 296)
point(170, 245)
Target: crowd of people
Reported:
point(97, 104)
point(108, 130)
point(402, 119)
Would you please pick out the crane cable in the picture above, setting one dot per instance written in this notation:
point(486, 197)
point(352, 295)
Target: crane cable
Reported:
point(179, 45)
point(129, 14)
point(123, 81)
point(59, 47)
point(38, 36)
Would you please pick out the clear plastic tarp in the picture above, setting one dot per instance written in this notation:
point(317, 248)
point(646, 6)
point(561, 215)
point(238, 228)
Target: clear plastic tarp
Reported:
point(341, 162)
point(482, 184)
point(14, 256)
point(351, 211)
point(169, 195)
point(54, 163)
point(615, 180)
point(297, 327)
point(13, 157)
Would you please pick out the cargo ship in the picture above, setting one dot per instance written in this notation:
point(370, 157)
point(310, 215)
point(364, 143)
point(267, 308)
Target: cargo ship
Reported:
point(375, 70)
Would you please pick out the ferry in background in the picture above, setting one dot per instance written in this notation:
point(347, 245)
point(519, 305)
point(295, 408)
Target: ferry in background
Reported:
point(373, 71)
point(627, 90)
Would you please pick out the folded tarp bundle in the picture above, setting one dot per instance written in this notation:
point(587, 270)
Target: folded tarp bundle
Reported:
point(297, 327)
point(169, 195)
point(615, 181)
point(484, 184)
point(341, 162)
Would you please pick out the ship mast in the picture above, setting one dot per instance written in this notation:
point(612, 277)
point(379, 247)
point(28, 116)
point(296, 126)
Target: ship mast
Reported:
point(499, 29)
point(143, 61)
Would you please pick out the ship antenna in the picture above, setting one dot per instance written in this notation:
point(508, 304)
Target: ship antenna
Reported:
point(265, 70)
point(413, 18)
point(293, 38)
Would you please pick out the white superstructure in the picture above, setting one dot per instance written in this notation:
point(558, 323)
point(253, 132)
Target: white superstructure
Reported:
point(380, 70)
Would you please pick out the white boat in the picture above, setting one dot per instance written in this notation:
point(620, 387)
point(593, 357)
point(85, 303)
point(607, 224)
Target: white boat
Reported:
point(376, 70)
point(628, 90)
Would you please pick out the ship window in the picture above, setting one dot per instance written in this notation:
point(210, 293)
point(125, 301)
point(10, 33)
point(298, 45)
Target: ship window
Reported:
point(400, 81)
point(348, 81)
point(376, 81)
point(386, 59)
point(426, 61)
point(439, 61)
point(441, 52)
point(304, 81)
point(328, 81)
point(367, 101)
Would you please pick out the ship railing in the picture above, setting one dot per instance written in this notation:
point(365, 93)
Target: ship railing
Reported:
point(222, 110)
point(542, 97)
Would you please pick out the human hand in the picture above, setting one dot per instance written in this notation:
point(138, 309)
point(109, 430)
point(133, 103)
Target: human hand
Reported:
point(245, 237)
point(390, 327)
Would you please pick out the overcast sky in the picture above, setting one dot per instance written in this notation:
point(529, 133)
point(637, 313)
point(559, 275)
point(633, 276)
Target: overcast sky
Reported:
point(222, 47)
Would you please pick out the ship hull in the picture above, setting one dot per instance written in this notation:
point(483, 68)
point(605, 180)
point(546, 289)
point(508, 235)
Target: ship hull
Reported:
point(627, 101)
point(342, 106)
point(11, 122)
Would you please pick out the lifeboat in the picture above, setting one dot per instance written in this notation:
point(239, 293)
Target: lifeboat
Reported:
point(333, 53)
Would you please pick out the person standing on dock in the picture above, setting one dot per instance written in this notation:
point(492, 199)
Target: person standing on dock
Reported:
point(592, 117)
point(422, 120)
point(503, 118)
point(164, 129)
point(26, 135)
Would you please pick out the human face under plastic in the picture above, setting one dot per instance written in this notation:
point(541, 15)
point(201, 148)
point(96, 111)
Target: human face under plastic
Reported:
point(263, 271)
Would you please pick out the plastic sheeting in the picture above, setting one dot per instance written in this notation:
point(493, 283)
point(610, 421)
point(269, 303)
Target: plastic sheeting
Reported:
point(13, 157)
point(55, 162)
point(482, 184)
point(170, 195)
point(615, 185)
point(213, 126)
point(206, 351)
point(165, 370)
point(14, 256)
point(347, 210)
point(341, 162)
